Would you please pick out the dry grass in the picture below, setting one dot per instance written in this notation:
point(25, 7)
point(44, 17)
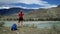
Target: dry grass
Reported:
point(29, 30)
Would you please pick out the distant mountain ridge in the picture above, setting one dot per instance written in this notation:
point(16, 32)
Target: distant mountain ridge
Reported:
point(13, 11)
point(40, 14)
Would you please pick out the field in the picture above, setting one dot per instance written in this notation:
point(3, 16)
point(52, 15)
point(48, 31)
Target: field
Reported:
point(26, 29)
point(29, 30)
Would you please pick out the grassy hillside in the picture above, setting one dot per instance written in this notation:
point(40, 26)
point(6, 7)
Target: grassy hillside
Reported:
point(45, 13)
point(52, 13)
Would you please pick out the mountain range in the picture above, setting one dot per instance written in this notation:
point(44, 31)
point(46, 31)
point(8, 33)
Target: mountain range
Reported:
point(13, 10)
point(33, 13)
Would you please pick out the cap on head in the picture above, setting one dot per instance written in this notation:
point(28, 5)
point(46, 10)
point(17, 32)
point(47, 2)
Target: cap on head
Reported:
point(21, 10)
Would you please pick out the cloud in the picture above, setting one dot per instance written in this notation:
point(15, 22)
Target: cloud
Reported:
point(42, 3)
point(5, 7)
point(9, 1)
point(24, 1)
point(32, 1)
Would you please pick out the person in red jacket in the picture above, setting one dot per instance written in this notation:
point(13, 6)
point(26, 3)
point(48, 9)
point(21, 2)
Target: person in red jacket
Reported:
point(20, 15)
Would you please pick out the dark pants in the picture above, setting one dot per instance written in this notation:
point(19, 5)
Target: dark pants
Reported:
point(20, 19)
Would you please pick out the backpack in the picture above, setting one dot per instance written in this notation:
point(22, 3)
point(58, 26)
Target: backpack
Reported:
point(14, 27)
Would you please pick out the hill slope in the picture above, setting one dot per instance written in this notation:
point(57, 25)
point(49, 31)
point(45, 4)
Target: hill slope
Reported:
point(45, 13)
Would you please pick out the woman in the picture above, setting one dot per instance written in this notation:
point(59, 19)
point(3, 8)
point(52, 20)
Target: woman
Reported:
point(20, 15)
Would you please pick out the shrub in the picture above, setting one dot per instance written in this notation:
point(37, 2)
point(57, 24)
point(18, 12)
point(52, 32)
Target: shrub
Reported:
point(1, 24)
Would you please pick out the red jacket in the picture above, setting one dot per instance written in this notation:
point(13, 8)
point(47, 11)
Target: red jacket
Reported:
point(20, 15)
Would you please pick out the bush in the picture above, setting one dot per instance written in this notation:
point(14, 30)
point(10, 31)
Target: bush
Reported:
point(33, 26)
point(31, 19)
point(1, 24)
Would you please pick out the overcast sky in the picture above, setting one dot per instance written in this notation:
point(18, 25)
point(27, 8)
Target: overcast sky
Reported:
point(30, 4)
